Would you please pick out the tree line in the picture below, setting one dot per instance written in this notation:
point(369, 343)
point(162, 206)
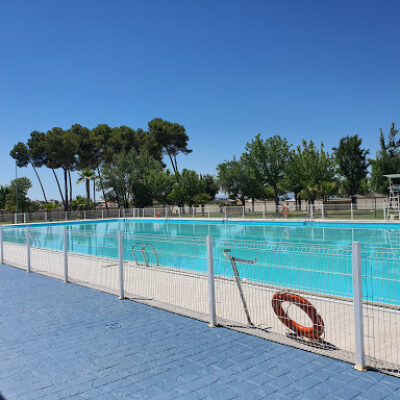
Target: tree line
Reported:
point(126, 166)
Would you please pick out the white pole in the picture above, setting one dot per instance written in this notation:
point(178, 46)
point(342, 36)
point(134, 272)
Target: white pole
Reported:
point(121, 264)
point(24, 218)
point(1, 246)
point(119, 213)
point(311, 211)
point(15, 218)
point(211, 283)
point(384, 211)
point(243, 210)
point(28, 249)
point(102, 214)
point(179, 211)
point(154, 212)
point(65, 254)
point(66, 215)
point(351, 210)
point(192, 211)
point(166, 212)
point(84, 214)
point(358, 307)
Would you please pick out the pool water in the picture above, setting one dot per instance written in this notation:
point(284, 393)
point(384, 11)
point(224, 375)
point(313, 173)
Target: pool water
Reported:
point(305, 256)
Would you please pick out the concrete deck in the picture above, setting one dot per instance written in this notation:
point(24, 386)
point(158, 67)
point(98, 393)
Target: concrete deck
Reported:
point(64, 341)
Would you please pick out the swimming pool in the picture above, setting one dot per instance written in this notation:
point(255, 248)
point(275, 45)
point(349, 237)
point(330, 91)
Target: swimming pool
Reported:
point(307, 256)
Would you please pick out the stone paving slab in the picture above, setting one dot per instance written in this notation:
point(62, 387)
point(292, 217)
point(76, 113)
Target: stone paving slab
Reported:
point(63, 341)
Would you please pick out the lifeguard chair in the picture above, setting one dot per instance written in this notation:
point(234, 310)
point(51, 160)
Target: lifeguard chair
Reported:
point(393, 209)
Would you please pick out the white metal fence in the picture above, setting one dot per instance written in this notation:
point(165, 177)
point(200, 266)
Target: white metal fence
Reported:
point(339, 301)
point(363, 211)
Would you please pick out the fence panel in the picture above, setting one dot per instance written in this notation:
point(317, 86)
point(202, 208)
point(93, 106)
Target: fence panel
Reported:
point(167, 273)
point(319, 274)
point(381, 293)
point(14, 247)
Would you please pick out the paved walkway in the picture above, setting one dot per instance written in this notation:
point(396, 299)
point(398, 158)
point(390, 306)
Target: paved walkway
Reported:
point(62, 341)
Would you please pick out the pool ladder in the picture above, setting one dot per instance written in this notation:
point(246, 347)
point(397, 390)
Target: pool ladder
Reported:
point(145, 254)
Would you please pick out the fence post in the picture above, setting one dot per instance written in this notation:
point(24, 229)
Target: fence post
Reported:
point(121, 264)
point(351, 210)
point(192, 211)
point(179, 211)
point(24, 218)
point(358, 306)
point(28, 249)
point(154, 212)
point(66, 215)
point(211, 283)
point(384, 211)
point(243, 211)
point(166, 212)
point(225, 212)
point(84, 214)
point(119, 213)
point(1, 246)
point(15, 218)
point(264, 211)
point(102, 214)
point(65, 254)
point(311, 211)
point(322, 210)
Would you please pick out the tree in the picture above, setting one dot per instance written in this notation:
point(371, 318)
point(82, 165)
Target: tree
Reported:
point(159, 184)
point(4, 191)
point(292, 181)
point(268, 159)
point(387, 160)
point(172, 139)
point(87, 176)
point(21, 154)
point(239, 179)
point(352, 164)
point(52, 147)
point(18, 191)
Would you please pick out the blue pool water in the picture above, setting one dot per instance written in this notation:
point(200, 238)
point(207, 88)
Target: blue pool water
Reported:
point(298, 255)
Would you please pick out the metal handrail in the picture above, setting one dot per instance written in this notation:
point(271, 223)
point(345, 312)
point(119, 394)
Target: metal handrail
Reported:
point(146, 255)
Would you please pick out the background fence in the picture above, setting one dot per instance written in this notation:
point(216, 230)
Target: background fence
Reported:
point(348, 211)
point(355, 291)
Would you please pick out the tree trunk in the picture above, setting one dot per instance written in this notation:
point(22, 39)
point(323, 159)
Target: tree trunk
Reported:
point(94, 192)
point(40, 183)
point(276, 200)
point(102, 189)
point(59, 187)
point(87, 193)
point(66, 189)
point(172, 163)
point(70, 187)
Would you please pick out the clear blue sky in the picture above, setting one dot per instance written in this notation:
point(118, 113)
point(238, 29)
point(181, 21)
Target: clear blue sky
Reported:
point(225, 69)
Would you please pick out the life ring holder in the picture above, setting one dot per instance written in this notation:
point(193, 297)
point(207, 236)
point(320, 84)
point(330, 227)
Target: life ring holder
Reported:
point(313, 332)
point(285, 210)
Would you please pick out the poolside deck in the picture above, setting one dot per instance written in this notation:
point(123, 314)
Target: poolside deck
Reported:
point(186, 293)
point(61, 341)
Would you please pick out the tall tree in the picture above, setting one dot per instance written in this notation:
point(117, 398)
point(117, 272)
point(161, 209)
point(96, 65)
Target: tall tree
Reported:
point(87, 176)
point(172, 139)
point(268, 158)
point(18, 192)
point(387, 160)
point(21, 154)
point(53, 146)
point(352, 164)
point(238, 179)
point(4, 191)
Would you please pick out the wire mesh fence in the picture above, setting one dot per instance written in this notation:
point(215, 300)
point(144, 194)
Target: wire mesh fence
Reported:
point(302, 295)
point(267, 210)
